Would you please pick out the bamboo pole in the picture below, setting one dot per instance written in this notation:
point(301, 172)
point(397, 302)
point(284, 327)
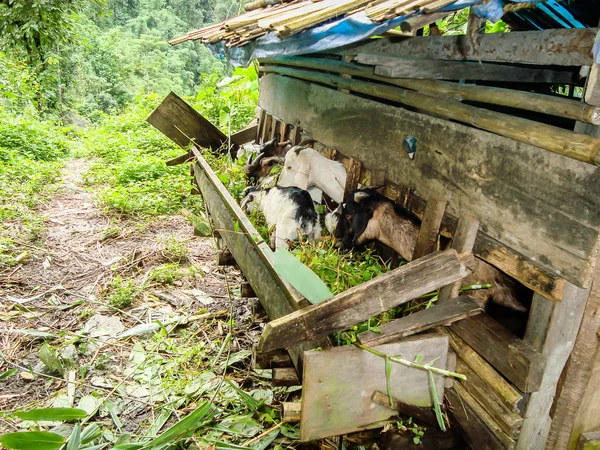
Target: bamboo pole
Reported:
point(556, 106)
point(567, 143)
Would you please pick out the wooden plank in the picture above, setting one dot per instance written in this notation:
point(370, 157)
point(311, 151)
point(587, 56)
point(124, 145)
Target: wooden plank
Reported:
point(418, 413)
point(353, 174)
point(463, 241)
point(285, 376)
point(592, 90)
point(429, 69)
point(430, 228)
point(277, 358)
point(552, 329)
point(290, 411)
point(513, 358)
point(476, 425)
point(266, 131)
point(364, 301)
point(489, 399)
point(254, 258)
point(338, 384)
point(589, 441)
point(441, 314)
point(261, 125)
point(558, 140)
point(507, 185)
point(246, 135)
point(576, 408)
point(511, 396)
point(560, 47)
point(546, 104)
point(180, 122)
point(181, 159)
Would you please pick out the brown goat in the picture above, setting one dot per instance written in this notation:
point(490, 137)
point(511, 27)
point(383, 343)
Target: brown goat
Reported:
point(369, 216)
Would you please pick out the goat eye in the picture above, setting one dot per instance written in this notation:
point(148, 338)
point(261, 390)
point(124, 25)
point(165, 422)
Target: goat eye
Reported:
point(348, 217)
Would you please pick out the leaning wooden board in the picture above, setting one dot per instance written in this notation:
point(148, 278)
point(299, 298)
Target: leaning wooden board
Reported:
point(542, 205)
point(338, 384)
point(253, 256)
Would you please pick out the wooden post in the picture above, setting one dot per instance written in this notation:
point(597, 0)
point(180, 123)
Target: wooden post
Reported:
point(552, 329)
point(463, 241)
point(353, 174)
point(261, 126)
point(285, 376)
point(290, 411)
point(430, 227)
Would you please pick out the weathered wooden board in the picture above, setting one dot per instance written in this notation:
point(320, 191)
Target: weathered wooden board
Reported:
point(180, 122)
point(476, 425)
point(419, 414)
point(365, 300)
point(576, 408)
point(551, 329)
point(246, 135)
point(542, 205)
point(489, 399)
point(512, 357)
point(589, 441)
point(429, 231)
point(253, 257)
point(429, 69)
point(338, 385)
point(441, 314)
point(513, 399)
point(561, 47)
point(592, 91)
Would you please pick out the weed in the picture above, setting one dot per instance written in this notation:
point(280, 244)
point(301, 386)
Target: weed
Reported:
point(167, 273)
point(174, 250)
point(122, 292)
point(111, 232)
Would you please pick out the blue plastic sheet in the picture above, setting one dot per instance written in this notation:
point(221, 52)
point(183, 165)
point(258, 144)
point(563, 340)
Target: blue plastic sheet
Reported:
point(334, 34)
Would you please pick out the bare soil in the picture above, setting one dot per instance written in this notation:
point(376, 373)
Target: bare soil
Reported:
point(68, 272)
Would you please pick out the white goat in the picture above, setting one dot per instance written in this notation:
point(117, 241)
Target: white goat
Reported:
point(288, 208)
point(306, 168)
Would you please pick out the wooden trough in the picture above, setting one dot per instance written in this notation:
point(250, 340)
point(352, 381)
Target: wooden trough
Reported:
point(532, 186)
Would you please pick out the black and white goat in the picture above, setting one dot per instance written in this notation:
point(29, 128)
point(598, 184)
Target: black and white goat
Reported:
point(269, 155)
point(369, 216)
point(306, 168)
point(290, 209)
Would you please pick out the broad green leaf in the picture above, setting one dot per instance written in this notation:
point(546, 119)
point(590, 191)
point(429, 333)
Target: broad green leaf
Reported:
point(75, 438)
point(182, 429)
point(32, 440)
point(50, 359)
point(8, 373)
point(241, 425)
point(264, 442)
point(300, 277)
point(35, 333)
point(436, 402)
point(132, 446)
point(51, 414)
point(90, 433)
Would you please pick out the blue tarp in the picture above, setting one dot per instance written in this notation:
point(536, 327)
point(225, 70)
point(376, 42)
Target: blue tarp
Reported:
point(327, 36)
point(358, 27)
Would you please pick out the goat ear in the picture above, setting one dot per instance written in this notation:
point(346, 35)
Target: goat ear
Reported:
point(360, 195)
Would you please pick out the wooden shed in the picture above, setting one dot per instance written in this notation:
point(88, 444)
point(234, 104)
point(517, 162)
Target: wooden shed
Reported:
point(500, 130)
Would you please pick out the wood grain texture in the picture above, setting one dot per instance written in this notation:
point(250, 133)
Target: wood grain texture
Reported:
point(441, 314)
point(290, 411)
point(592, 90)
point(477, 426)
point(338, 385)
point(574, 411)
point(464, 239)
point(489, 399)
point(180, 122)
point(548, 137)
point(424, 69)
point(530, 101)
point(285, 376)
point(516, 360)
point(364, 301)
point(541, 205)
point(552, 329)
point(418, 413)
point(561, 47)
point(253, 257)
point(430, 228)
point(513, 399)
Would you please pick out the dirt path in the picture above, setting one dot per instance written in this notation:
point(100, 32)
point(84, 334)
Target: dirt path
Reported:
point(64, 285)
